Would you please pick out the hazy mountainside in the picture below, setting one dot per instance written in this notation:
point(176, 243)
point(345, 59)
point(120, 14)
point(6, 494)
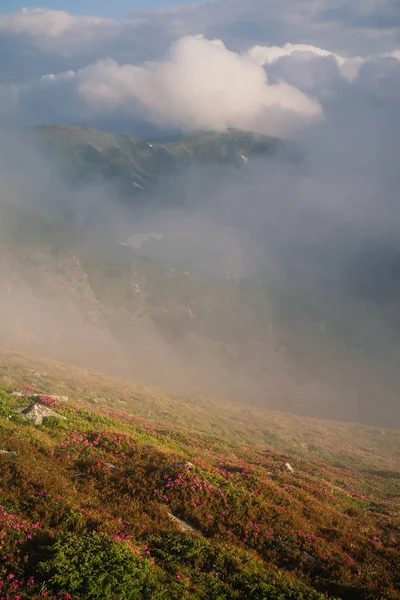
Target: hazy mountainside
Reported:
point(122, 310)
point(113, 307)
point(132, 162)
point(112, 487)
point(214, 282)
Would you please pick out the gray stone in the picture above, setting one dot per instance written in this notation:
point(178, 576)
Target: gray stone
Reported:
point(309, 557)
point(112, 467)
point(28, 395)
point(37, 413)
point(59, 398)
point(183, 526)
point(9, 453)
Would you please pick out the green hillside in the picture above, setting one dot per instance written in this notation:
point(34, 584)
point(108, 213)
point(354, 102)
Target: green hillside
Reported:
point(140, 494)
point(91, 153)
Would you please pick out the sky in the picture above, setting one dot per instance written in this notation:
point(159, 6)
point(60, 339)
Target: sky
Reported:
point(104, 8)
point(274, 66)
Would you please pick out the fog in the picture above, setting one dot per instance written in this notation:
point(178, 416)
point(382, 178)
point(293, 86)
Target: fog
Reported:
point(316, 239)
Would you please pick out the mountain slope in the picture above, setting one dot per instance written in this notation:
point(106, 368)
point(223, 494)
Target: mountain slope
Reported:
point(111, 307)
point(108, 483)
point(91, 153)
point(210, 284)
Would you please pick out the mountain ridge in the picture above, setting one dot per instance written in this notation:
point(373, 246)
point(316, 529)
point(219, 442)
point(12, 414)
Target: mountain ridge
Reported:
point(92, 152)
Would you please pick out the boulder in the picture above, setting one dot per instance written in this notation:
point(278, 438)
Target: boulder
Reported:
point(111, 467)
point(289, 467)
point(59, 398)
point(37, 413)
point(38, 396)
point(8, 453)
point(309, 557)
point(183, 526)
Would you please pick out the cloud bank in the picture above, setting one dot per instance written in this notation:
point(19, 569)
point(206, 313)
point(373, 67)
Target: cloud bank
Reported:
point(200, 85)
point(202, 67)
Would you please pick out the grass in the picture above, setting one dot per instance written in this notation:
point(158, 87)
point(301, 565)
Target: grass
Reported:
point(330, 529)
point(366, 447)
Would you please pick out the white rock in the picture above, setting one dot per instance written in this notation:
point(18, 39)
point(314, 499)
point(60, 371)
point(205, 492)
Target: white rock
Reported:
point(37, 413)
point(112, 467)
point(8, 453)
point(29, 395)
point(309, 557)
point(183, 526)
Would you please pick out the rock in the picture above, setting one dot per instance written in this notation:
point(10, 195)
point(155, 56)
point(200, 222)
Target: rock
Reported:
point(9, 453)
point(289, 467)
point(39, 374)
point(37, 413)
point(112, 467)
point(309, 557)
point(183, 526)
point(29, 395)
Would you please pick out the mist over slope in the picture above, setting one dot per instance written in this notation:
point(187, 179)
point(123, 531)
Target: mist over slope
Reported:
point(244, 279)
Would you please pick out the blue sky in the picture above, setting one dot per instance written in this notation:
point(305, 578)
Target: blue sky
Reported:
point(105, 8)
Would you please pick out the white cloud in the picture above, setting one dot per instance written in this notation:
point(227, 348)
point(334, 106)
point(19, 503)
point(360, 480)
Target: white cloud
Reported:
point(201, 85)
point(59, 67)
point(265, 55)
point(58, 31)
point(40, 22)
point(241, 24)
point(394, 54)
point(61, 76)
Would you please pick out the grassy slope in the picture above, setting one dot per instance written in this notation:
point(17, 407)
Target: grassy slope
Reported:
point(90, 152)
point(341, 505)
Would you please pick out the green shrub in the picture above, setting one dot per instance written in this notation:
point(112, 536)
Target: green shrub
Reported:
point(92, 566)
point(220, 572)
point(5, 405)
point(55, 423)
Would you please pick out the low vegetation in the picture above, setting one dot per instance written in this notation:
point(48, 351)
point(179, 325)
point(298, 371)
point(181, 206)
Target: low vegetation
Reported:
point(85, 503)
